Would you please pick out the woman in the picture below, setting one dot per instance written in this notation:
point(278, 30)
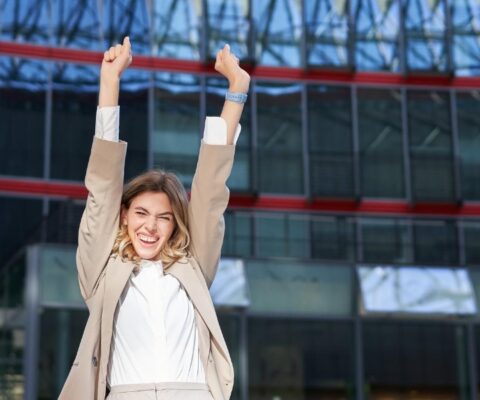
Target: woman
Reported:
point(146, 258)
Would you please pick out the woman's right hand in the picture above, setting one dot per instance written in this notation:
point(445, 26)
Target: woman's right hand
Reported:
point(115, 61)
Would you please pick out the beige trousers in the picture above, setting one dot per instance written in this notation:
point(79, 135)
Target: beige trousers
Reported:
point(161, 391)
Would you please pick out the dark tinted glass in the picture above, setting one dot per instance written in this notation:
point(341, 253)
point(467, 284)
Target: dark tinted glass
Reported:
point(20, 225)
point(238, 234)
point(386, 240)
point(22, 116)
point(134, 120)
point(406, 357)
point(435, 242)
point(296, 359)
point(468, 105)
point(330, 141)
point(280, 168)
point(333, 238)
point(429, 128)
point(471, 240)
point(176, 132)
point(381, 143)
point(74, 107)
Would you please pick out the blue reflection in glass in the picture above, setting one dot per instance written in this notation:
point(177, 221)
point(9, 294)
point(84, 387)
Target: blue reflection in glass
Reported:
point(327, 32)
point(25, 20)
point(278, 31)
point(76, 24)
point(377, 30)
point(127, 18)
point(76, 77)
point(466, 37)
point(176, 29)
point(425, 26)
point(228, 22)
point(416, 290)
point(21, 73)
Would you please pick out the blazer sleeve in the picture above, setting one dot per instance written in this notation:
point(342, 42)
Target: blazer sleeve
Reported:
point(100, 219)
point(208, 201)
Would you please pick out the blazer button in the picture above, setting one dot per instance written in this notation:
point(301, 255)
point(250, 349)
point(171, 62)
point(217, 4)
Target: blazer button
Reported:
point(94, 361)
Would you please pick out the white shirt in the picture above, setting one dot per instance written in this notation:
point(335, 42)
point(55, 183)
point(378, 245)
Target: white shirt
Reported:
point(155, 338)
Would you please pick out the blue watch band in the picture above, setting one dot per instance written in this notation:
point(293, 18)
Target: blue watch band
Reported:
point(236, 97)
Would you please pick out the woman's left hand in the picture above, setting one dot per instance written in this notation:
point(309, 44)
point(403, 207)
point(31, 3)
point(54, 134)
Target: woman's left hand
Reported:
point(228, 65)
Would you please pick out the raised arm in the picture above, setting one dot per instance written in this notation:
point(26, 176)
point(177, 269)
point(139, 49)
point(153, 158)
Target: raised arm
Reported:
point(104, 177)
point(209, 195)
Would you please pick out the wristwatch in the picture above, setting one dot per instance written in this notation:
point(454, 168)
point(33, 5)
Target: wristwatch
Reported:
point(236, 97)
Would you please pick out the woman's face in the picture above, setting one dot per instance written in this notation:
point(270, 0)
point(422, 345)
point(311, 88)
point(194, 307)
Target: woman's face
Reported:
point(150, 223)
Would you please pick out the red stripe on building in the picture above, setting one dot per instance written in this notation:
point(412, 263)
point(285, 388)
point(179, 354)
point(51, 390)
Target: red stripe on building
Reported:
point(38, 187)
point(196, 67)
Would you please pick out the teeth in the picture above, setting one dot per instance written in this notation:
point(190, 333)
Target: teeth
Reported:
point(147, 238)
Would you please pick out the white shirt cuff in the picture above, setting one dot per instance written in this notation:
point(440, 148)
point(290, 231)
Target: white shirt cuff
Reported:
point(215, 131)
point(107, 124)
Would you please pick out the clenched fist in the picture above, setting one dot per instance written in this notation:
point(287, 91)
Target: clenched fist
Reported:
point(228, 65)
point(116, 60)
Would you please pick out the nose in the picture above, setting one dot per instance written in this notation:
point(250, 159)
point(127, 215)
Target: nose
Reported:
point(151, 225)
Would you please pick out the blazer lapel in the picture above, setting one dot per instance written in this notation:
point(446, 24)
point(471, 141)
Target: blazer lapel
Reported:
point(200, 297)
point(116, 278)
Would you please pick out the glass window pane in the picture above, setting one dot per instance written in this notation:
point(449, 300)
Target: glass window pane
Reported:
point(240, 176)
point(176, 132)
point(282, 235)
point(415, 360)
point(238, 234)
point(429, 128)
point(416, 290)
point(280, 167)
point(377, 24)
point(278, 32)
point(25, 21)
point(127, 18)
point(76, 23)
point(228, 22)
point(327, 33)
point(75, 96)
point(386, 240)
point(298, 359)
point(435, 242)
point(176, 28)
point(381, 143)
point(231, 328)
point(468, 104)
point(333, 238)
point(282, 287)
point(466, 37)
point(330, 141)
point(21, 224)
point(471, 237)
point(134, 119)
point(22, 115)
point(425, 29)
point(60, 334)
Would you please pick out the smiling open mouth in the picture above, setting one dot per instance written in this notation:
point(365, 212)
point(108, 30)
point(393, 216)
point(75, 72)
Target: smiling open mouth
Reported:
point(147, 240)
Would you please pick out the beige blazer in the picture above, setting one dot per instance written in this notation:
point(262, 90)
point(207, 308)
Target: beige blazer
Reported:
point(102, 278)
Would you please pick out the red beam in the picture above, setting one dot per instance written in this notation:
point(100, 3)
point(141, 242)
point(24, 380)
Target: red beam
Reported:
point(195, 67)
point(39, 187)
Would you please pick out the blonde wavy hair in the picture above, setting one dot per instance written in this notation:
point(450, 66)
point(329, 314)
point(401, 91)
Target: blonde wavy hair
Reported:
point(157, 181)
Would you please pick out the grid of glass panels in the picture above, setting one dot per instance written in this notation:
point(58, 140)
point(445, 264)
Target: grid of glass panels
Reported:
point(376, 35)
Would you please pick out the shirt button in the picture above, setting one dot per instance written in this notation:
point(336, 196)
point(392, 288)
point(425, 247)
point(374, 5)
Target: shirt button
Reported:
point(94, 361)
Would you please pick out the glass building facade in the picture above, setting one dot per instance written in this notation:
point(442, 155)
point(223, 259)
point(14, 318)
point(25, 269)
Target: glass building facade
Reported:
point(360, 151)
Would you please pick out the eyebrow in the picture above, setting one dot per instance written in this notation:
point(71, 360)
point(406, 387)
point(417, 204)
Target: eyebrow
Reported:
point(158, 215)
